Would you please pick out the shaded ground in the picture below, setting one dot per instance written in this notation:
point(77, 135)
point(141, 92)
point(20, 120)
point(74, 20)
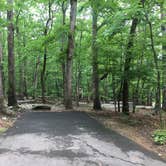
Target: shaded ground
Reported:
point(137, 127)
point(69, 139)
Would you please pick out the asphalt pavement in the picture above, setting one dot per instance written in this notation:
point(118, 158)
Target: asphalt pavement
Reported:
point(69, 139)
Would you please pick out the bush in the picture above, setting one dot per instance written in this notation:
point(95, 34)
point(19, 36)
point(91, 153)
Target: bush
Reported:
point(159, 137)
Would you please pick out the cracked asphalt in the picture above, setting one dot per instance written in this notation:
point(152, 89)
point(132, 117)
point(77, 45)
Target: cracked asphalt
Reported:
point(69, 139)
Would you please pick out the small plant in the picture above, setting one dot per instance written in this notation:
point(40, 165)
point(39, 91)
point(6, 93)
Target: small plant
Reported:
point(2, 130)
point(159, 137)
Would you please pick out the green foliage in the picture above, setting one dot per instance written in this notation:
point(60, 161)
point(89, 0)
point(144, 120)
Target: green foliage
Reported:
point(2, 130)
point(159, 137)
point(114, 21)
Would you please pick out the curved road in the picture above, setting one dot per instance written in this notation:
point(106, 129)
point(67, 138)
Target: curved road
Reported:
point(69, 139)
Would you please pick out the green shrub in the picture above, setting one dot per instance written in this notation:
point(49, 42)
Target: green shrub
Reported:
point(159, 137)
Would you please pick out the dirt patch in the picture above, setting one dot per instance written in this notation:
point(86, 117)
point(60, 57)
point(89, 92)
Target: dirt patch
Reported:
point(138, 127)
point(6, 122)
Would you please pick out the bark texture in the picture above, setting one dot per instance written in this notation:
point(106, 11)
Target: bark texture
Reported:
point(96, 95)
point(12, 101)
point(163, 29)
point(128, 58)
point(43, 73)
point(2, 100)
point(64, 7)
point(35, 77)
point(70, 52)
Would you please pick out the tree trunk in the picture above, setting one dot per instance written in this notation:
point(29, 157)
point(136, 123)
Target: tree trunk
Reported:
point(136, 89)
point(12, 101)
point(164, 98)
point(35, 79)
point(78, 73)
point(21, 80)
point(70, 52)
point(141, 92)
point(2, 100)
point(88, 84)
point(106, 90)
point(163, 29)
point(120, 97)
point(114, 91)
point(125, 91)
point(43, 73)
point(3, 45)
point(25, 93)
point(96, 93)
point(64, 8)
point(158, 94)
point(43, 76)
point(21, 64)
point(149, 98)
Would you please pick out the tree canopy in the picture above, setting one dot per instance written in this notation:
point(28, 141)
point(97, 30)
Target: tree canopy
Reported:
point(118, 50)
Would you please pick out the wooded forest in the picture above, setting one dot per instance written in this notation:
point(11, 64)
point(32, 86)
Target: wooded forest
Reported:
point(83, 50)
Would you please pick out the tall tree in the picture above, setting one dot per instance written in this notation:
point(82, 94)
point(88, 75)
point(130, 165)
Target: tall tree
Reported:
point(64, 6)
point(43, 73)
point(78, 71)
point(157, 67)
point(35, 76)
point(163, 29)
point(70, 52)
point(128, 58)
point(2, 100)
point(21, 65)
point(99, 9)
point(158, 78)
point(95, 75)
point(12, 101)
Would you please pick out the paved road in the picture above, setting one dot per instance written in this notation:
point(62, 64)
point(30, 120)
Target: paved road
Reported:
point(69, 139)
